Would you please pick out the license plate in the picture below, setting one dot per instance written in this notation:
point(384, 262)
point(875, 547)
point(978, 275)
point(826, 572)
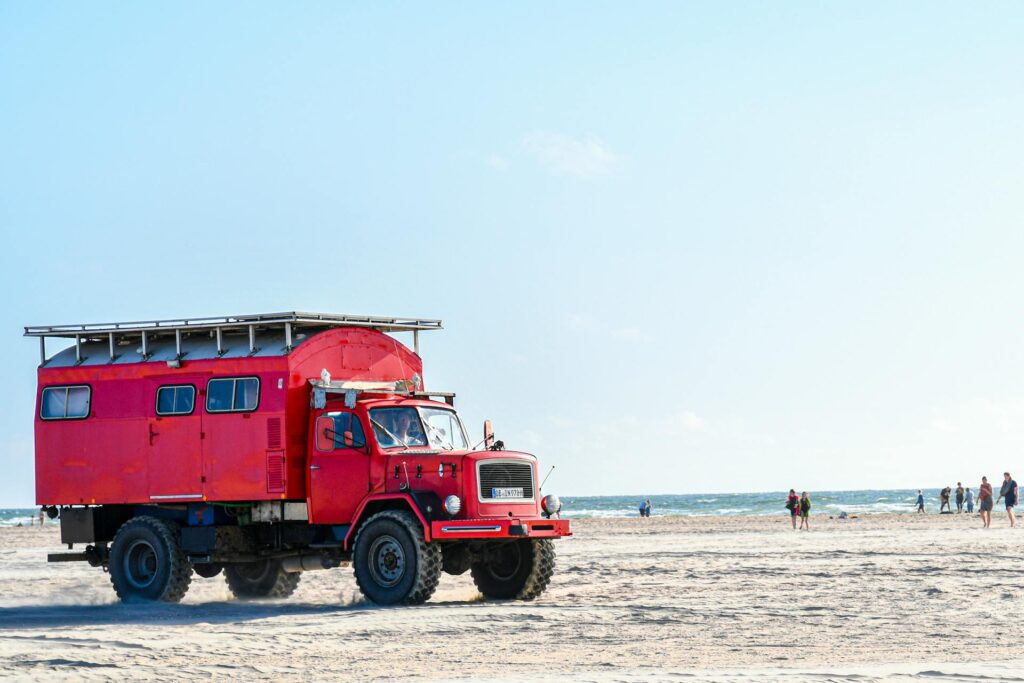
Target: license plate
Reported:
point(507, 493)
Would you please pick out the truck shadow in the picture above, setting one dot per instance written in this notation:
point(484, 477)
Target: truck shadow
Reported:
point(58, 616)
point(150, 613)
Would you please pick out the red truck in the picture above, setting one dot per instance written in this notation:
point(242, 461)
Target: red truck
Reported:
point(262, 446)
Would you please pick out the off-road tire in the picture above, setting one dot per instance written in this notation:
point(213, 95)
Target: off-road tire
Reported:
point(523, 575)
point(147, 562)
point(262, 579)
point(413, 575)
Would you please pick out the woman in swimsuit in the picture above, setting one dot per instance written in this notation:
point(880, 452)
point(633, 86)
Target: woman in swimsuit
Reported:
point(805, 512)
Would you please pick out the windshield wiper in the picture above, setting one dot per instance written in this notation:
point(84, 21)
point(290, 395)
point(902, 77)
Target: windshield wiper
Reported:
point(388, 432)
point(442, 439)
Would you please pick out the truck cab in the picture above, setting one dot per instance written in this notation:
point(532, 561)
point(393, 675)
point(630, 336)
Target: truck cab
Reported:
point(368, 448)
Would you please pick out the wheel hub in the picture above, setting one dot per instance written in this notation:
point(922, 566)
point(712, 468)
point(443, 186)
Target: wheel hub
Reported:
point(387, 561)
point(140, 565)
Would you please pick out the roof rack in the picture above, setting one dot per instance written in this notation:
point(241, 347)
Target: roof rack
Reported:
point(352, 388)
point(289, 321)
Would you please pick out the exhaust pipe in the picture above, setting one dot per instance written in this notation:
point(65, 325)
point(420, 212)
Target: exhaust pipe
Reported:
point(305, 563)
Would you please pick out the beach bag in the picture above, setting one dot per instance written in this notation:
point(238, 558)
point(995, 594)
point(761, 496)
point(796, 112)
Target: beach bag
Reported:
point(790, 504)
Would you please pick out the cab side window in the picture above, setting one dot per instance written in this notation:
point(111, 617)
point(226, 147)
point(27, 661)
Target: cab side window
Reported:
point(331, 428)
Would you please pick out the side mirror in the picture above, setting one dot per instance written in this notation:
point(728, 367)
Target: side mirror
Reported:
point(488, 434)
point(325, 434)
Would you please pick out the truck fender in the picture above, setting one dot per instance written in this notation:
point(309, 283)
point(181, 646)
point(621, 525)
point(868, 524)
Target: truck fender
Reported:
point(403, 498)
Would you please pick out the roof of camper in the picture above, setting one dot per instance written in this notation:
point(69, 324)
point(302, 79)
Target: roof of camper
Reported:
point(262, 334)
point(297, 320)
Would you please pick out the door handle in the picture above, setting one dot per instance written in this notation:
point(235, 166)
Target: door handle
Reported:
point(152, 433)
point(314, 467)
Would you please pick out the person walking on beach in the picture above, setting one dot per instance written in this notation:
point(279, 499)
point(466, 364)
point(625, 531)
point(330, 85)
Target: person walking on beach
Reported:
point(969, 499)
point(920, 500)
point(985, 502)
point(805, 512)
point(645, 508)
point(959, 498)
point(793, 505)
point(1009, 492)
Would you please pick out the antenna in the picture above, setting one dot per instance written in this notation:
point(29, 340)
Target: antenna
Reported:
point(541, 487)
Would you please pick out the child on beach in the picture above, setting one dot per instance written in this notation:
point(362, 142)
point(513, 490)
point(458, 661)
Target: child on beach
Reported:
point(805, 512)
point(920, 500)
point(793, 505)
point(959, 498)
point(985, 502)
point(969, 499)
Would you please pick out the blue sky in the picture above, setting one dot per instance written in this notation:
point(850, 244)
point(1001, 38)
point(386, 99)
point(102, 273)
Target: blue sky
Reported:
point(677, 247)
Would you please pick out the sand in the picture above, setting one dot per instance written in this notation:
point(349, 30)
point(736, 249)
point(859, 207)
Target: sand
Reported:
point(692, 599)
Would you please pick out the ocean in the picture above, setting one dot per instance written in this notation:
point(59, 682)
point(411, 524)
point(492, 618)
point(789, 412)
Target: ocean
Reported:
point(771, 503)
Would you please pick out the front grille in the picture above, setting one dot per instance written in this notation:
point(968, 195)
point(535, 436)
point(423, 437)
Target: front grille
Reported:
point(504, 475)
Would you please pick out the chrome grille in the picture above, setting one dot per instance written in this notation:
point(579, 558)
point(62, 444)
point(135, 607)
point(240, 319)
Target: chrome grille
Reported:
point(505, 474)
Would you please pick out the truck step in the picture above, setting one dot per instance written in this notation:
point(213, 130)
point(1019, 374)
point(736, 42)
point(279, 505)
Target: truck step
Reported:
point(67, 557)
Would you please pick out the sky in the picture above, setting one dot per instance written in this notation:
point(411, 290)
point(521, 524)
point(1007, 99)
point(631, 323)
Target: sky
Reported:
point(677, 247)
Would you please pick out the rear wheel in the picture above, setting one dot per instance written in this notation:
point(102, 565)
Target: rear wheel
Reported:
point(518, 570)
point(392, 562)
point(147, 563)
point(262, 579)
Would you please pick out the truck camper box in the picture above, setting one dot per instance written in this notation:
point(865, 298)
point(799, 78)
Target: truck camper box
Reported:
point(154, 428)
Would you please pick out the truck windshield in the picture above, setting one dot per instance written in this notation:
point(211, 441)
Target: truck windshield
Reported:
point(410, 427)
point(397, 427)
point(444, 429)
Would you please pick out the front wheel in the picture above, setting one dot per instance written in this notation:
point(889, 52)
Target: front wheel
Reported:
point(262, 579)
point(517, 570)
point(392, 562)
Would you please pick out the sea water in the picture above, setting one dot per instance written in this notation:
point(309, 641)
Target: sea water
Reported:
point(766, 503)
point(691, 504)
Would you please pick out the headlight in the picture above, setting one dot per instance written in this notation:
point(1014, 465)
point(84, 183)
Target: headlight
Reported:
point(550, 505)
point(452, 505)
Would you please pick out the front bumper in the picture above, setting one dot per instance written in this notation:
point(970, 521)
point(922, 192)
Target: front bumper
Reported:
point(500, 528)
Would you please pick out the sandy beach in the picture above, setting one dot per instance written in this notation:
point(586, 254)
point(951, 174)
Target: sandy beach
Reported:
point(884, 597)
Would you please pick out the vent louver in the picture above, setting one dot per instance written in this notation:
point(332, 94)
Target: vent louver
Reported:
point(275, 472)
point(274, 432)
